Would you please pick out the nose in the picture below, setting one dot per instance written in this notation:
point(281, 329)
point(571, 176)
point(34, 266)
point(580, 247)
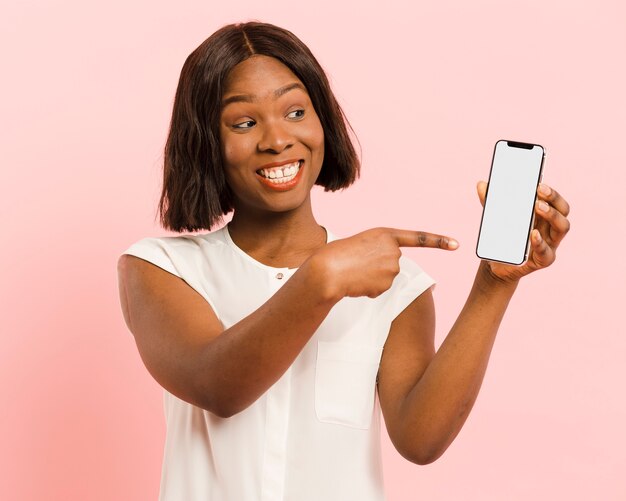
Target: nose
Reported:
point(275, 138)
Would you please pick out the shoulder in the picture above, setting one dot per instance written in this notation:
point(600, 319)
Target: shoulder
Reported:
point(180, 241)
point(161, 268)
point(173, 253)
point(410, 283)
point(410, 268)
point(411, 279)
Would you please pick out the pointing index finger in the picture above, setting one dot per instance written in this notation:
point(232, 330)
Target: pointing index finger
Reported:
point(411, 238)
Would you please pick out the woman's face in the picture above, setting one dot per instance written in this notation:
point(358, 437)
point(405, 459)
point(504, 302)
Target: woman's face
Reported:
point(272, 139)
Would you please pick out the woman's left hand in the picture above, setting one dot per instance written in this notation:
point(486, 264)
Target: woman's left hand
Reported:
point(551, 226)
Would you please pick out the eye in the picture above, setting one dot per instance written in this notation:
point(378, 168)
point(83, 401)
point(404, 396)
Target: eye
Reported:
point(244, 125)
point(296, 114)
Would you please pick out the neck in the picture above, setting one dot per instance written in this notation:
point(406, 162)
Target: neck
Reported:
point(280, 239)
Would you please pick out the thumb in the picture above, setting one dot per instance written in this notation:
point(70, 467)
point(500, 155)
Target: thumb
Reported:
point(481, 189)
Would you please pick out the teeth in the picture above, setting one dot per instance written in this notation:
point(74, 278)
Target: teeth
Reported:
point(282, 174)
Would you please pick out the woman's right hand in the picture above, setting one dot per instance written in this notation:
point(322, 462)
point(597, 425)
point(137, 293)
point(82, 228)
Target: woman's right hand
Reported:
point(366, 263)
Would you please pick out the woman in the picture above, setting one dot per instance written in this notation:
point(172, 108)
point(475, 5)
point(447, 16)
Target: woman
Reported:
point(277, 343)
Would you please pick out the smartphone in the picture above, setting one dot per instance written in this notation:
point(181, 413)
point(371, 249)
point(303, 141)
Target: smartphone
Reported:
point(508, 214)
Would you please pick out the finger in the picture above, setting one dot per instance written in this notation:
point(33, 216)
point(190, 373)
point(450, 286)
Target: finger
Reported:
point(551, 196)
point(410, 238)
point(481, 188)
point(542, 254)
point(559, 225)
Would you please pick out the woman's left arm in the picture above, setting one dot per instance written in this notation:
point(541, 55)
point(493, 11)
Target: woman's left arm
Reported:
point(426, 396)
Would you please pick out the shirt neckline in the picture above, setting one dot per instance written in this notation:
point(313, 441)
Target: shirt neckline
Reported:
point(248, 257)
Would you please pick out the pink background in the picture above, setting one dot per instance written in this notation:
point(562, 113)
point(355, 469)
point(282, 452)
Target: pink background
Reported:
point(86, 93)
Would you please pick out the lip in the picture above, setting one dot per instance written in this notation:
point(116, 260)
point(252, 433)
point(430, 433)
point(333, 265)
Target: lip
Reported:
point(282, 186)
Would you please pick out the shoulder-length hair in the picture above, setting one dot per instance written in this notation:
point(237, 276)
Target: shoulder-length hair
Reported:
point(195, 195)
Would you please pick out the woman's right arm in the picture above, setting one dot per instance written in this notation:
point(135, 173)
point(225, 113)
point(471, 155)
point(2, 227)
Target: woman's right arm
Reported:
point(186, 349)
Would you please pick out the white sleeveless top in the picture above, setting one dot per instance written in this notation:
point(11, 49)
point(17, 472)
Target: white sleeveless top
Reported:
point(315, 434)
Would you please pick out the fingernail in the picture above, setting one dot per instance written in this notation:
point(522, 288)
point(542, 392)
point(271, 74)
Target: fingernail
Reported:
point(453, 244)
point(537, 236)
point(544, 189)
point(542, 206)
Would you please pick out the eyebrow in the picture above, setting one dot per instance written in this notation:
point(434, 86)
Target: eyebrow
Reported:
point(249, 98)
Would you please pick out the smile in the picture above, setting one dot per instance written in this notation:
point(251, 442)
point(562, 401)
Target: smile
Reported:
point(282, 174)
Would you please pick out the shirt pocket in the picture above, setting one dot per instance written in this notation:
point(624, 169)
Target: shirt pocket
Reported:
point(345, 383)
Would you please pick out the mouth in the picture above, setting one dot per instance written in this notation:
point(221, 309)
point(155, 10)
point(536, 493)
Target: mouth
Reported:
point(281, 174)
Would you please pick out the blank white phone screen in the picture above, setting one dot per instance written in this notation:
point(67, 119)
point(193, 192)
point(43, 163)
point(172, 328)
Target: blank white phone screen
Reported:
point(509, 205)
